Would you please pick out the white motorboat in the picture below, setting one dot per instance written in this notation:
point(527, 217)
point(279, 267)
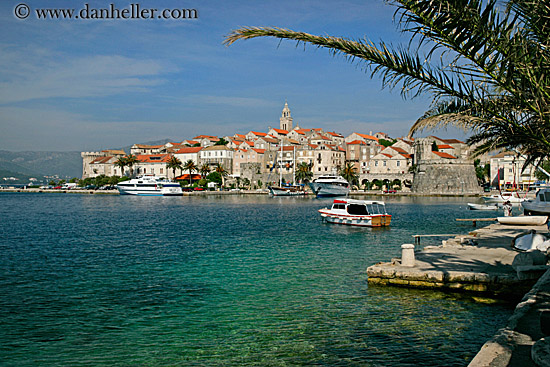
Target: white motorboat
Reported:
point(330, 186)
point(473, 206)
point(513, 197)
point(149, 186)
point(540, 205)
point(352, 212)
point(524, 220)
point(290, 190)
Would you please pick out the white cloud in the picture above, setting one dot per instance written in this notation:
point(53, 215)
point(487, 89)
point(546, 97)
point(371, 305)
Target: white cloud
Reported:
point(37, 73)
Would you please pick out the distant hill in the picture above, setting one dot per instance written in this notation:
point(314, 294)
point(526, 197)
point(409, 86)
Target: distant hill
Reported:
point(64, 164)
point(24, 165)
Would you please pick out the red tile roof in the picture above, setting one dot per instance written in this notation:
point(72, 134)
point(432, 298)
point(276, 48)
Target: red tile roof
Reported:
point(258, 133)
point(399, 150)
point(189, 150)
point(445, 155)
point(153, 158)
point(357, 142)
point(260, 151)
point(365, 136)
point(335, 134)
point(445, 146)
point(281, 131)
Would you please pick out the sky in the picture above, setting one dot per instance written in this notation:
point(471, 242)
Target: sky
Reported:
point(92, 84)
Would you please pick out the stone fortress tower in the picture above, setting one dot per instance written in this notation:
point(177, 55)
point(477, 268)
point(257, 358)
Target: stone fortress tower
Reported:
point(441, 176)
point(286, 119)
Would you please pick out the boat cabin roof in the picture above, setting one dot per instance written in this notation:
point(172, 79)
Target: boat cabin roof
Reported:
point(357, 202)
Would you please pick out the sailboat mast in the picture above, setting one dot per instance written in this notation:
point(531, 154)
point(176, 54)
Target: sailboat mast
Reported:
point(294, 166)
point(280, 166)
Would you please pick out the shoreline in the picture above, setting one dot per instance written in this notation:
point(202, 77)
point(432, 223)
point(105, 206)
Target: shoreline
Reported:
point(240, 192)
point(483, 264)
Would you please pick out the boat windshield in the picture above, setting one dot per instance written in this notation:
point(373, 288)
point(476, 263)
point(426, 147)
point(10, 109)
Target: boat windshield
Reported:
point(377, 208)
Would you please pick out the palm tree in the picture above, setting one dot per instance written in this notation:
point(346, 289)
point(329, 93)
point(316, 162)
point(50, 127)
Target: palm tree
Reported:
point(223, 173)
point(191, 167)
point(130, 161)
point(349, 173)
point(204, 170)
point(484, 62)
point(174, 163)
point(303, 172)
point(121, 162)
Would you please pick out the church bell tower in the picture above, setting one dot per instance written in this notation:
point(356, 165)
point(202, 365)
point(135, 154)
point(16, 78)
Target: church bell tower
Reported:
point(286, 119)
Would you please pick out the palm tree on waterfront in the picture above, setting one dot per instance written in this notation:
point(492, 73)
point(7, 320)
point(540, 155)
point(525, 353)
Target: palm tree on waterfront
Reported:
point(484, 62)
point(131, 160)
point(191, 167)
point(222, 171)
point(303, 172)
point(350, 174)
point(121, 162)
point(174, 163)
point(204, 170)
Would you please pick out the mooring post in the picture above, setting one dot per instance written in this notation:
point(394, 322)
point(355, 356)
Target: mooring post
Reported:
point(407, 255)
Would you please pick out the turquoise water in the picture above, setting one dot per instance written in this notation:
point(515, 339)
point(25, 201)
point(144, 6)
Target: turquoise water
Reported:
point(222, 281)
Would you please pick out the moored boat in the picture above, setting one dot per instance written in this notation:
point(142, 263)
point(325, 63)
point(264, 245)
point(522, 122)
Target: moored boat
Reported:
point(149, 186)
point(524, 220)
point(290, 190)
point(330, 186)
point(352, 212)
point(473, 206)
point(512, 197)
point(539, 205)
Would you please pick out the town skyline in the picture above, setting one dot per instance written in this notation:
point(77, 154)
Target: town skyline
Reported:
point(75, 85)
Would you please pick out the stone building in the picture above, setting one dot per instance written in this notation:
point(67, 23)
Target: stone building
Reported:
point(217, 154)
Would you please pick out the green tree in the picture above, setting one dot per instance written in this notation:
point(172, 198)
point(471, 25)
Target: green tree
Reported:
point(174, 163)
point(303, 172)
point(349, 172)
point(204, 170)
point(484, 62)
point(191, 167)
point(541, 175)
point(435, 148)
point(131, 160)
point(214, 177)
point(222, 141)
point(222, 172)
point(386, 143)
point(121, 163)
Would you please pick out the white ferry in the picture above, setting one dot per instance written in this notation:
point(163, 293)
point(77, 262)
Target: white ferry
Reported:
point(149, 186)
point(362, 213)
point(330, 186)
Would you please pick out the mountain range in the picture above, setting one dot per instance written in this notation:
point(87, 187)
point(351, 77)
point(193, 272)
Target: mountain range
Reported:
point(27, 164)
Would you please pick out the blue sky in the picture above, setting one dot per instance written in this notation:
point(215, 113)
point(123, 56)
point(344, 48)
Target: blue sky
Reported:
point(96, 84)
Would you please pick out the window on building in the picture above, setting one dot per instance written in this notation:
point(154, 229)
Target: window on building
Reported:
point(384, 163)
point(376, 164)
point(398, 163)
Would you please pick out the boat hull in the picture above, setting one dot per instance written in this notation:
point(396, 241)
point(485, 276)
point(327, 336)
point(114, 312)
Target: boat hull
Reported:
point(502, 199)
point(472, 206)
point(527, 220)
point(283, 191)
point(323, 189)
point(536, 207)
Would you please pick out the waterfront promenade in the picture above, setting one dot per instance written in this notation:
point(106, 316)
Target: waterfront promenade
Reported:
point(484, 263)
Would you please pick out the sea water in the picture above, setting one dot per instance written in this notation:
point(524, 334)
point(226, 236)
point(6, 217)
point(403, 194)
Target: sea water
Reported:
point(222, 281)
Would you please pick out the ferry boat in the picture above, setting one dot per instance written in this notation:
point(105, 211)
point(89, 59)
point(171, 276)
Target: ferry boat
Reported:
point(149, 186)
point(352, 212)
point(330, 186)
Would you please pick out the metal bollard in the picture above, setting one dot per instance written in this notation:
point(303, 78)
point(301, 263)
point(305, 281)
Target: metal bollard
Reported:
point(407, 255)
